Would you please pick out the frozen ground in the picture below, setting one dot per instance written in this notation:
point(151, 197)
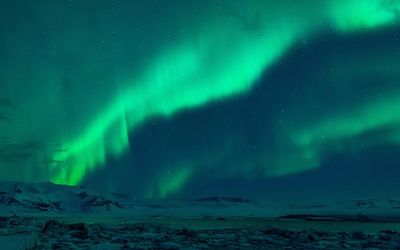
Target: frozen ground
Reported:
point(48, 216)
point(45, 233)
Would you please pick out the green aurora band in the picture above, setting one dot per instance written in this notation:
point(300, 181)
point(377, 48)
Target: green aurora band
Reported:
point(190, 75)
point(221, 55)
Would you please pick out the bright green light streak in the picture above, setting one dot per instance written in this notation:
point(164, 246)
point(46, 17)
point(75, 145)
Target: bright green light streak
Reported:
point(181, 79)
point(213, 66)
point(383, 113)
point(171, 182)
point(364, 14)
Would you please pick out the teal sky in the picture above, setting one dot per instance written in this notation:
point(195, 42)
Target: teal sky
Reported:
point(162, 98)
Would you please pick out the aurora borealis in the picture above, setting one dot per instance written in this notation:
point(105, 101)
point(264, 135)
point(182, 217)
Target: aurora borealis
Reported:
point(155, 97)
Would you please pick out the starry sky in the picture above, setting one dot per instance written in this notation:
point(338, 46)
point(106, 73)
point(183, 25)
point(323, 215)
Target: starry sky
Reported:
point(262, 98)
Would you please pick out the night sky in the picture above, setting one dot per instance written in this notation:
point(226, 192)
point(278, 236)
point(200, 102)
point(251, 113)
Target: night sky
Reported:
point(267, 99)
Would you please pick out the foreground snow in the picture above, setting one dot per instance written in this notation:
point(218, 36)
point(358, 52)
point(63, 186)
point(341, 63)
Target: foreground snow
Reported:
point(54, 234)
point(49, 216)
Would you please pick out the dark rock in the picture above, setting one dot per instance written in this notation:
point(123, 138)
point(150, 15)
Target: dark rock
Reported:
point(224, 199)
point(43, 206)
point(277, 231)
point(358, 235)
point(140, 227)
point(100, 202)
point(343, 235)
point(79, 234)
point(311, 238)
point(385, 237)
point(372, 244)
point(83, 195)
point(364, 203)
point(4, 219)
point(388, 232)
point(300, 237)
point(186, 232)
point(14, 222)
point(97, 227)
point(78, 227)
point(58, 246)
point(31, 205)
point(56, 205)
point(321, 234)
point(10, 201)
point(309, 217)
point(361, 217)
point(52, 226)
point(314, 235)
point(170, 245)
point(119, 241)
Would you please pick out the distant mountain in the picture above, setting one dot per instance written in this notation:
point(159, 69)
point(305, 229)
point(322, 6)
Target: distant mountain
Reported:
point(224, 199)
point(48, 197)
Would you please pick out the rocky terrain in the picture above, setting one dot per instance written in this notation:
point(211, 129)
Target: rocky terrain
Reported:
point(49, 216)
point(53, 234)
point(17, 197)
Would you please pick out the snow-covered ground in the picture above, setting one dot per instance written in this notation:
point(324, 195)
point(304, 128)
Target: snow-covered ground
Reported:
point(43, 198)
point(53, 216)
point(59, 200)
